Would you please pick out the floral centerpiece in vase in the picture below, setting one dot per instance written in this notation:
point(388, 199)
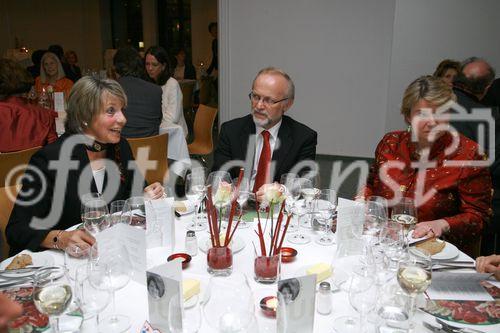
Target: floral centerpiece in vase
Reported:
point(219, 196)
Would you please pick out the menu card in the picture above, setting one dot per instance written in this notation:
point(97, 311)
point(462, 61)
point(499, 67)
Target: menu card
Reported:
point(59, 101)
point(160, 212)
point(350, 221)
point(134, 240)
point(164, 285)
point(297, 298)
point(458, 286)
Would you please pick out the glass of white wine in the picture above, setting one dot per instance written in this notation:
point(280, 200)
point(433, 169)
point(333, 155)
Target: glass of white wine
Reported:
point(52, 298)
point(405, 213)
point(414, 277)
point(95, 216)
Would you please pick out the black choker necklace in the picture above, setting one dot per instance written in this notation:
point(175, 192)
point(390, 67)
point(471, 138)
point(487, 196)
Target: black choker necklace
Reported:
point(97, 146)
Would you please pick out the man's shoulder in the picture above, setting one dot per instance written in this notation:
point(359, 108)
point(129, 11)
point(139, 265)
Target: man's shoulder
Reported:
point(297, 127)
point(238, 123)
point(146, 86)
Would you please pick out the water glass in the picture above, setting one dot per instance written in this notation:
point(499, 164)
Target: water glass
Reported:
point(182, 318)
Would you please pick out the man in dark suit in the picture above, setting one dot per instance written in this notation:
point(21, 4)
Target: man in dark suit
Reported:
point(143, 110)
point(266, 139)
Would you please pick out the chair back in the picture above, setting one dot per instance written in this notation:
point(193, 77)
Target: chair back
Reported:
point(157, 151)
point(17, 160)
point(187, 88)
point(203, 124)
point(7, 199)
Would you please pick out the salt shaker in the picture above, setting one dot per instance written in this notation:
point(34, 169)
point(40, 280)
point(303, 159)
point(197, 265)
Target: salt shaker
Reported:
point(191, 243)
point(324, 301)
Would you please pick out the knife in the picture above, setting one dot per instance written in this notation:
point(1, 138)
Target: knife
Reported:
point(433, 328)
point(456, 329)
point(446, 268)
point(421, 241)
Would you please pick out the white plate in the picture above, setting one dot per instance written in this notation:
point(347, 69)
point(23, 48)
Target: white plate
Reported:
point(449, 251)
point(237, 244)
point(38, 258)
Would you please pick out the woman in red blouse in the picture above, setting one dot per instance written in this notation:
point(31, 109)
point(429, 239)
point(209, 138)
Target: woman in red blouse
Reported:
point(453, 201)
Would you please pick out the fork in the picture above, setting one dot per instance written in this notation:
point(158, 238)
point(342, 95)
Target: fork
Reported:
point(456, 329)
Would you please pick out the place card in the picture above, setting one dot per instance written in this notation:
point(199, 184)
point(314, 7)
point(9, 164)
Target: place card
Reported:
point(59, 101)
point(134, 240)
point(296, 303)
point(458, 286)
point(164, 285)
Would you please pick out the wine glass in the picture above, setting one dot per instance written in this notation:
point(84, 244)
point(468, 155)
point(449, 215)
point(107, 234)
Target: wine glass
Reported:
point(229, 305)
point(244, 194)
point(87, 197)
point(115, 212)
point(300, 209)
point(221, 188)
point(195, 192)
point(414, 276)
point(375, 217)
point(292, 192)
point(112, 272)
point(380, 200)
point(404, 213)
point(134, 210)
point(182, 318)
point(392, 243)
point(52, 298)
point(324, 209)
point(363, 294)
point(95, 212)
point(91, 300)
point(74, 256)
point(309, 193)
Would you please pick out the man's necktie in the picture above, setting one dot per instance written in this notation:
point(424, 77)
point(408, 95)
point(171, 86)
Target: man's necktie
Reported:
point(264, 166)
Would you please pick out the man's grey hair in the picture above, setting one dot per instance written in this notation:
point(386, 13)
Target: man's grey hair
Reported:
point(278, 71)
point(85, 101)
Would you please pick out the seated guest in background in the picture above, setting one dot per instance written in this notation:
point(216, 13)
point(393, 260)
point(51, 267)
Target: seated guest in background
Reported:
point(489, 264)
point(72, 60)
point(183, 69)
point(144, 111)
point(447, 70)
point(95, 109)
point(274, 136)
point(22, 125)
point(36, 58)
point(59, 52)
point(52, 74)
point(158, 69)
point(461, 204)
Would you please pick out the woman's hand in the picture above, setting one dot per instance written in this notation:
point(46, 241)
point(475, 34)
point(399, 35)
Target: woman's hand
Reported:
point(489, 264)
point(154, 191)
point(67, 238)
point(434, 228)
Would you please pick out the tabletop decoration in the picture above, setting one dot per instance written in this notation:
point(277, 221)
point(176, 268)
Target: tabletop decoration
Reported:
point(267, 262)
point(268, 305)
point(184, 258)
point(220, 256)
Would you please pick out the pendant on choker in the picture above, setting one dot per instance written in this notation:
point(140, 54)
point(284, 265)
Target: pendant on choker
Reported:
point(97, 146)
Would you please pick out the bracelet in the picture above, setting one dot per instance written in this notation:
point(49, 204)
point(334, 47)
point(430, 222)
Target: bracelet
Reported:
point(55, 240)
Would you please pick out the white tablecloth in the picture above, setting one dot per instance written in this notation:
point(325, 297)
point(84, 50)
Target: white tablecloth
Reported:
point(177, 149)
point(132, 300)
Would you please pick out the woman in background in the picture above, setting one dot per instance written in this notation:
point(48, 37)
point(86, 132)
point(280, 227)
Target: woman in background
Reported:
point(72, 60)
point(158, 69)
point(183, 69)
point(447, 70)
point(52, 74)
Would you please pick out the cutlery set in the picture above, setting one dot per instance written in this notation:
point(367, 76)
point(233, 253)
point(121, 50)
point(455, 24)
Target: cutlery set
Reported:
point(27, 276)
point(447, 328)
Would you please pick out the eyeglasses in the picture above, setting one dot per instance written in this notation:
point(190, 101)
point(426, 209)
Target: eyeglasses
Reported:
point(267, 101)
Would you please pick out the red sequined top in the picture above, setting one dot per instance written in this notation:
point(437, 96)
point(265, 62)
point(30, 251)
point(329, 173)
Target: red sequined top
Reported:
point(459, 194)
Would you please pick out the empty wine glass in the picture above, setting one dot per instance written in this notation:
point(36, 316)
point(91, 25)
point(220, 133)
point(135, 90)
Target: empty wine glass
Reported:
point(243, 195)
point(392, 243)
point(52, 298)
point(300, 208)
point(95, 212)
point(195, 192)
point(309, 193)
point(112, 272)
point(221, 188)
point(74, 256)
point(115, 212)
point(91, 300)
point(182, 318)
point(292, 192)
point(375, 218)
point(324, 207)
point(405, 213)
point(414, 277)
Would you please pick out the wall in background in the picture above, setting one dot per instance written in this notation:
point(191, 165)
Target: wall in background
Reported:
point(350, 60)
point(202, 13)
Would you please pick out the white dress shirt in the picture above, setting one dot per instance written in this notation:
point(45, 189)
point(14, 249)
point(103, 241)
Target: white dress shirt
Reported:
point(273, 138)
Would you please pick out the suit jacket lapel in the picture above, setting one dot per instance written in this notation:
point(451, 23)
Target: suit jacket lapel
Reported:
point(247, 131)
point(285, 143)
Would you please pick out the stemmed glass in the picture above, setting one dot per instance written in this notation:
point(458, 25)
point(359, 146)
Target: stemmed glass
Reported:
point(134, 210)
point(363, 293)
point(414, 277)
point(52, 299)
point(182, 318)
point(112, 272)
point(195, 192)
point(301, 207)
point(324, 208)
point(95, 213)
point(405, 213)
point(309, 193)
point(74, 256)
point(244, 194)
point(90, 299)
point(116, 212)
point(221, 188)
point(392, 244)
point(375, 218)
point(292, 192)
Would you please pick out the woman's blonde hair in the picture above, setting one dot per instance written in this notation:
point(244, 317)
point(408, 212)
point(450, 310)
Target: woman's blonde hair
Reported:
point(60, 70)
point(86, 99)
point(429, 88)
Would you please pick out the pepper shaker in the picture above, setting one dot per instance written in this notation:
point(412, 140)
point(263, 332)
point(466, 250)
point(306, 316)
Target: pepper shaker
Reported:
point(191, 243)
point(324, 301)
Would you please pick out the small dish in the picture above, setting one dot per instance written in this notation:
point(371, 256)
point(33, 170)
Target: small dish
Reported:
point(268, 306)
point(288, 254)
point(186, 258)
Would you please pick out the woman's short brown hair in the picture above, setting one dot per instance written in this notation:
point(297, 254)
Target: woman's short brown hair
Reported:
point(445, 65)
point(85, 101)
point(14, 79)
point(429, 88)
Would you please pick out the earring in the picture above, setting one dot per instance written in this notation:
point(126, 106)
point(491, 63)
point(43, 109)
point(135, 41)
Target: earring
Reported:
point(408, 129)
point(85, 124)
